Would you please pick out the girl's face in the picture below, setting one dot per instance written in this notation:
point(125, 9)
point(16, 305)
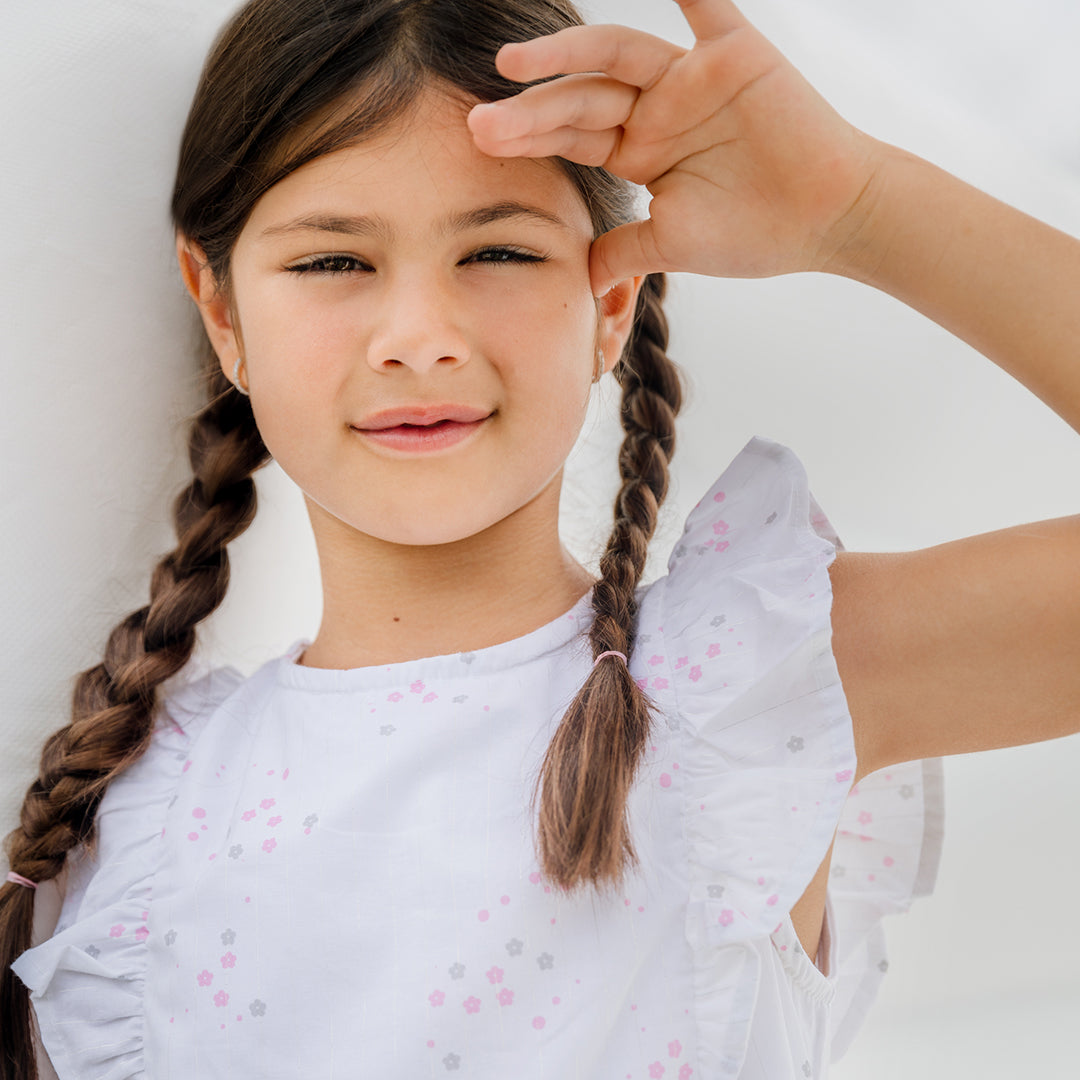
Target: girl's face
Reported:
point(414, 270)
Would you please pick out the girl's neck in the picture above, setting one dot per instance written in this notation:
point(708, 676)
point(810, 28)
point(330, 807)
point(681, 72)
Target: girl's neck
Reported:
point(385, 605)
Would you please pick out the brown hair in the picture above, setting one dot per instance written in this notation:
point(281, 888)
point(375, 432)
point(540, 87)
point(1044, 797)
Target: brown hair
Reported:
point(288, 81)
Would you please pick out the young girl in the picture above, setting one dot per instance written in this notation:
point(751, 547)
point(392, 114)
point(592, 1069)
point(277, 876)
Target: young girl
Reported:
point(498, 817)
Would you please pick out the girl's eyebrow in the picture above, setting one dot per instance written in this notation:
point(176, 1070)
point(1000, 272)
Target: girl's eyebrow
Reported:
point(379, 227)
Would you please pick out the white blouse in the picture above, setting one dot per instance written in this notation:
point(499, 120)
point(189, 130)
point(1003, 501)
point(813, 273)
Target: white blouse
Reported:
point(331, 873)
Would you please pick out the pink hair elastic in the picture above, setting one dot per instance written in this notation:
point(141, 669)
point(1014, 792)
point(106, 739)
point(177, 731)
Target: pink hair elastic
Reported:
point(20, 880)
point(610, 652)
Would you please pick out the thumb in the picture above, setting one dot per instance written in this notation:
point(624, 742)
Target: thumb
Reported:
point(627, 251)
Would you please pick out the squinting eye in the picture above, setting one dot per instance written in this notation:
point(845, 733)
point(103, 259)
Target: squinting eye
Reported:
point(504, 255)
point(329, 264)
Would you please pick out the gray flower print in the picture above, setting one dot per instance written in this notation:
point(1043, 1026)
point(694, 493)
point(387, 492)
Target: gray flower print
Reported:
point(236, 851)
point(514, 947)
point(546, 961)
point(838, 871)
point(716, 891)
point(644, 639)
point(795, 743)
point(771, 518)
point(883, 966)
point(719, 620)
point(457, 971)
point(680, 552)
point(806, 1064)
point(452, 1061)
point(460, 698)
point(258, 1008)
point(170, 937)
point(94, 951)
point(180, 755)
point(310, 820)
point(228, 937)
point(906, 791)
point(466, 658)
point(387, 729)
point(700, 549)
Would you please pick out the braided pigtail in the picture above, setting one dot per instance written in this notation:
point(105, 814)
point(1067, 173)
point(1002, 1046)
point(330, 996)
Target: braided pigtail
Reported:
point(583, 830)
point(114, 702)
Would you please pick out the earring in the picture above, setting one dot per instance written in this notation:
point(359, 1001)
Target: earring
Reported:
point(236, 377)
point(600, 364)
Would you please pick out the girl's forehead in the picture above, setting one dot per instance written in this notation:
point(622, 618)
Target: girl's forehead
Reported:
point(424, 164)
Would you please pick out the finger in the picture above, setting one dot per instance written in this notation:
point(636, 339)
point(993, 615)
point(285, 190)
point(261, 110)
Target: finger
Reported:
point(711, 18)
point(587, 102)
point(625, 252)
point(630, 56)
point(584, 147)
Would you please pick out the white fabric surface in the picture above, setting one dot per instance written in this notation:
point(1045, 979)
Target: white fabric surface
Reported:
point(330, 873)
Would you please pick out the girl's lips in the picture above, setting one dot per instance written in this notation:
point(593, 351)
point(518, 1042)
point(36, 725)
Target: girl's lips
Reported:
point(440, 436)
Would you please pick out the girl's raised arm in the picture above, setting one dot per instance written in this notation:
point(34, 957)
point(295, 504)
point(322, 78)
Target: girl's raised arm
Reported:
point(960, 647)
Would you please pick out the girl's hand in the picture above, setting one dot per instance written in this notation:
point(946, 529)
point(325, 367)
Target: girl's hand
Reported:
point(752, 172)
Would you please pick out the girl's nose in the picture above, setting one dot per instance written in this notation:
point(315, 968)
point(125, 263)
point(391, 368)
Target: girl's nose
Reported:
point(419, 325)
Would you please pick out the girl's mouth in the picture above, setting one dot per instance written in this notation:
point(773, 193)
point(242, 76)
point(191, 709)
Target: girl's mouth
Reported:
point(415, 438)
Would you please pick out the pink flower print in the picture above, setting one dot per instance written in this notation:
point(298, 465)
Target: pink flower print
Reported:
point(269, 845)
point(506, 997)
point(656, 1069)
point(247, 815)
point(665, 779)
point(674, 1048)
point(395, 696)
point(720, 527)
point(187, 765)
point(436, 997)
point(655, 659)
point(888, 860)
point(228, 960)
point(684, 1072)
point(198, 812)
point(843, 776)
point(865, 817)
point(267, 803)
point(695, 673)
point(205, 977)
point(142, 934)
point(642, 683)
point(472, 1004)
point(495, 975)
point(275, 820)
point(430, 697)
point(117, 930)
point(722, 546)
point(538, 1022)
point(416, 687)
point(727, 917)
point(682, 662)
point(193, 836)
point(719, 497)
point(713, 650)
point(659, 683)
point(221, 999)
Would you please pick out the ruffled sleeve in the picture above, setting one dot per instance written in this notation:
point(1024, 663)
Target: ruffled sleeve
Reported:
point(86, 981)
point(768, 745)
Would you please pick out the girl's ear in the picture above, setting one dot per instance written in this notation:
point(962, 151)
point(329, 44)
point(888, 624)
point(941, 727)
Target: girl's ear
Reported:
point(212, 303)
point(617, 308)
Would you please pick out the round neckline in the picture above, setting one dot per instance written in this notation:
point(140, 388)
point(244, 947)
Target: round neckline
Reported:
point(492, 658)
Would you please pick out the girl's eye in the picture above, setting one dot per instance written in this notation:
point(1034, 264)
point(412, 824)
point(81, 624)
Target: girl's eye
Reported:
point(329, 264)
point(504, 255)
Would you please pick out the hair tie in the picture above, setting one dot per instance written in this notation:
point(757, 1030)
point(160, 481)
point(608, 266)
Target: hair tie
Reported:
point(20, 880)
point(610, 652)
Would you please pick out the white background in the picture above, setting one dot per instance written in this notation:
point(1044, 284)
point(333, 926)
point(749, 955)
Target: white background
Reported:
point(910, 438)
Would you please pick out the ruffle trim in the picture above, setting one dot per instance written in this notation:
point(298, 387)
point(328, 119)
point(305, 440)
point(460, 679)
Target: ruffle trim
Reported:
point(86, 981)
point(768, 750)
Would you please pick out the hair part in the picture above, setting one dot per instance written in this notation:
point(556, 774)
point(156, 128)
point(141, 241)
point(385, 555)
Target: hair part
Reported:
point(286, 82)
